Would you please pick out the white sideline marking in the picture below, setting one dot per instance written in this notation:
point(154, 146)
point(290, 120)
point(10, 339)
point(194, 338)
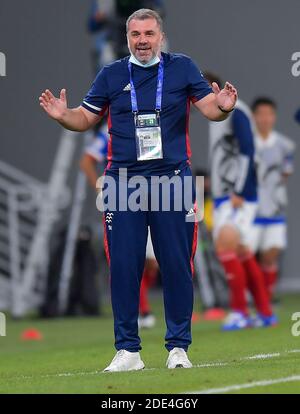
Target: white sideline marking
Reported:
point(211, 365)
point(203, 365)
point(247, 385)
point(56, 375)
point(262, 356)
point(71, 374)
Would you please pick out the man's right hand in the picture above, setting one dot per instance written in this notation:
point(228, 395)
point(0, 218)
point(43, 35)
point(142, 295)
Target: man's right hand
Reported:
point(76, 119)
point(56, 108)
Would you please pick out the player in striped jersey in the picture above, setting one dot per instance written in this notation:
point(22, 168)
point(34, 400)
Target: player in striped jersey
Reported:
point(275, 164)
point(234, 190)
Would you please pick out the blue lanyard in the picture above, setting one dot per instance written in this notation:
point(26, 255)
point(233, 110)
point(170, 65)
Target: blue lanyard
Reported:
point(160, 81)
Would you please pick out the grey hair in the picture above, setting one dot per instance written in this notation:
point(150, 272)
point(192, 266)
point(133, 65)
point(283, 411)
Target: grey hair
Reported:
point(143, 14)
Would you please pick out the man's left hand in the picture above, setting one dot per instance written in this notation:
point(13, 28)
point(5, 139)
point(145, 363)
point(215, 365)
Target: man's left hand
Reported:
point(225, 98)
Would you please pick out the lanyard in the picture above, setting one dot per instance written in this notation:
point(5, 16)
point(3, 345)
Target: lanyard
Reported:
point(160, 81)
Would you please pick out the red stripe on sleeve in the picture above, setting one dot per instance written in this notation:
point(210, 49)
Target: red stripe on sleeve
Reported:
point(187, 133)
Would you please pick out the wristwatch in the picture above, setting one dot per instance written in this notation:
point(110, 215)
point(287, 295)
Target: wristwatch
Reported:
point(226, 112)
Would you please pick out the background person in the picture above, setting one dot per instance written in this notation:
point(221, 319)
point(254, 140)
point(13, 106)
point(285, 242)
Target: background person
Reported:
point(275, 156)
point(234, 189)
point(208, 269)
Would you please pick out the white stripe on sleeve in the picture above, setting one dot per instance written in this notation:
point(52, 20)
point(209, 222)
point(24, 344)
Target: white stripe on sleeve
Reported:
point(92, 106)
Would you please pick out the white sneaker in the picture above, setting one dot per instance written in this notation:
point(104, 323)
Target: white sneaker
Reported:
point(147, 321)
point(125, 361)
point(178, 359)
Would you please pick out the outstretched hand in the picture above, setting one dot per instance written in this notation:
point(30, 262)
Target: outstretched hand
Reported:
point(55, 107)
point(227, 97)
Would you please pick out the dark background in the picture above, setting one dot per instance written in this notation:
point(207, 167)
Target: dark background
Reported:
point(47, 46)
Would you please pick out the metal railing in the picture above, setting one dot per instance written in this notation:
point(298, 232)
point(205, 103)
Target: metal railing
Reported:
point(28, 212)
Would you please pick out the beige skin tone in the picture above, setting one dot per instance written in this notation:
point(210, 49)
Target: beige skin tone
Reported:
point(145, 41)
point(265, 120)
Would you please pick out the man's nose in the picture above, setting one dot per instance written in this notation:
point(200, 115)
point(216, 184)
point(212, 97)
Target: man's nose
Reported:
point(142, 39)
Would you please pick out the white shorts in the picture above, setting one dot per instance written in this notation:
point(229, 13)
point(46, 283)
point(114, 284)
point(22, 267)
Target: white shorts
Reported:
point(149, 248)
point(267, 236)
point(241, 218)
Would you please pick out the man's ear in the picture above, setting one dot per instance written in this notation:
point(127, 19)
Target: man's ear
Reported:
point(128, 43)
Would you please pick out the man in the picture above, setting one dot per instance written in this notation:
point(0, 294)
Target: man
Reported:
point(234, 189)
point(96, 153)
point(154, 89)
point(275, 165)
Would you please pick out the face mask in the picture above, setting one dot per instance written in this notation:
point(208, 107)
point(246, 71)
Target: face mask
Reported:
point(152, 62)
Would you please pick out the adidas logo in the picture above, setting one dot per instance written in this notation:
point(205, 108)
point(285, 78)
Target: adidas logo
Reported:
point(127, 88)
point(190, 213)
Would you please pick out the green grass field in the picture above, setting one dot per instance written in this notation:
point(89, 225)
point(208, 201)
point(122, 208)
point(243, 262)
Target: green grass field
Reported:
point(74, 351)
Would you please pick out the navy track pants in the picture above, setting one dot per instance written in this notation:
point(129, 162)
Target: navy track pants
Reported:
point(174, 242)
